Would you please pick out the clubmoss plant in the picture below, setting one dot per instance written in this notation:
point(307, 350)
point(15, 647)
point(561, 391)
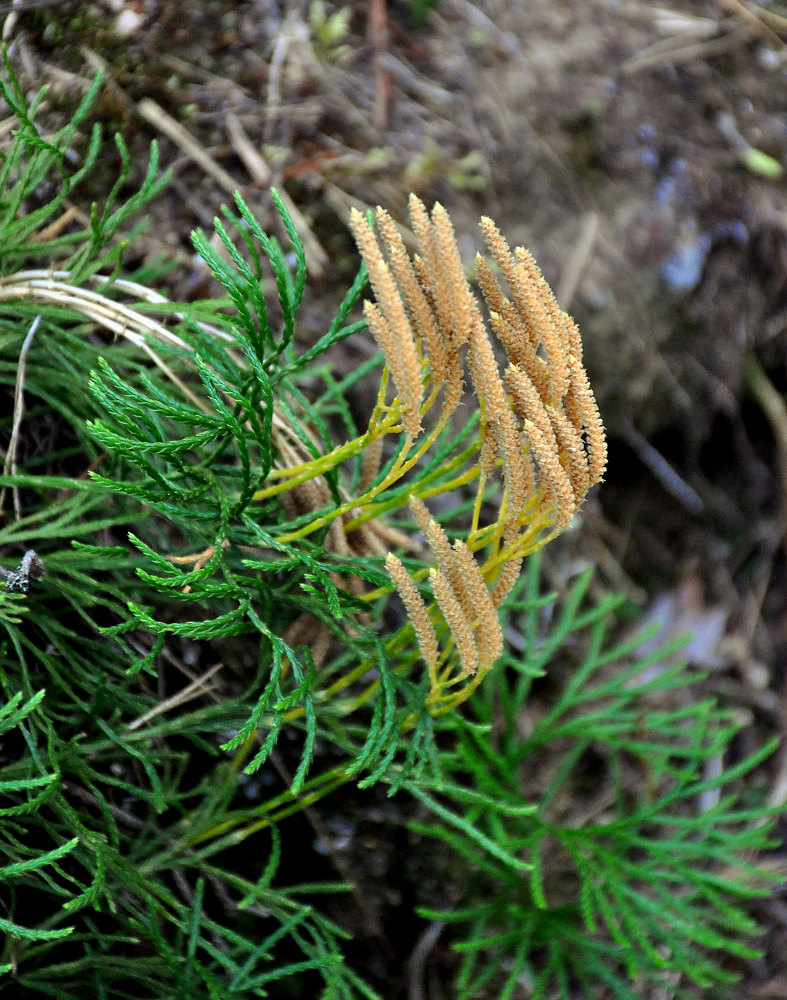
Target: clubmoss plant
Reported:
point(218, 542)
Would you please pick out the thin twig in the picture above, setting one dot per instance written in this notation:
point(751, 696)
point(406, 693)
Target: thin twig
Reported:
point(54, 229)
point(156, 116)
point(19, 408)
point(417, 960)
point(52, 288)
point(676, 54)
point(378, 30)
point(575, 265)
point(773, 406)
point(24, 5)
point(100, 65)
point(752, 19)
point(188, 693)
point(13, 10)
point(317, 259)
point(251, 157)
point(661, 470)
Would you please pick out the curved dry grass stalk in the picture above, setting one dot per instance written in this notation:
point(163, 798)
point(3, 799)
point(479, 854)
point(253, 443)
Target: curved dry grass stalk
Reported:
point(49, 287)
point(55, 288)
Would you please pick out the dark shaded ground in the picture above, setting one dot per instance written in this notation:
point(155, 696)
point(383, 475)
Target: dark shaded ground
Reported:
point(635, 149)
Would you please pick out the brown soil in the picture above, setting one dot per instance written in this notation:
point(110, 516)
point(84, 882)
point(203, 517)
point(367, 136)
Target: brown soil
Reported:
point(619, 141)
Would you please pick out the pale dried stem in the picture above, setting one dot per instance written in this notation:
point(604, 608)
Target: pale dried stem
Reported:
point(9, 465)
